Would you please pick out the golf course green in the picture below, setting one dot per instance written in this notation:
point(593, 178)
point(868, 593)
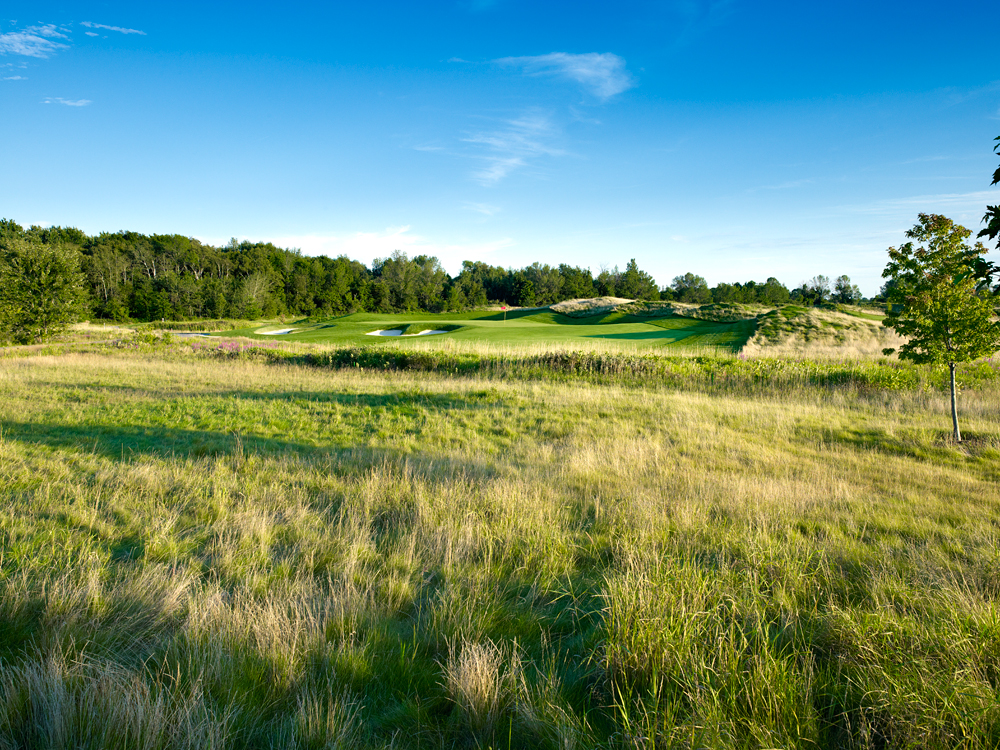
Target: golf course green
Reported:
point(515, 327)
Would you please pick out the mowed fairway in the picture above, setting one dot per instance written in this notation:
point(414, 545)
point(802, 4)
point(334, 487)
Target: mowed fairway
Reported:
point(519, 328)
point(198, 552)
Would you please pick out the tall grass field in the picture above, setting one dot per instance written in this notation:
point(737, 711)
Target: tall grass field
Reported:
point(264, 545)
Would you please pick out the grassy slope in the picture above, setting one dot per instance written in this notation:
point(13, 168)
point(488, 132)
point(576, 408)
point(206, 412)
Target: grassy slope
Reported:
point(202, 552)
point(523, 327)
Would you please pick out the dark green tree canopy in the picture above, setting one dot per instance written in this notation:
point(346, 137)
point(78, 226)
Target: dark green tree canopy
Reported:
point(636, 283)
point(129, 275)
point(690, 287)
point(992, 217)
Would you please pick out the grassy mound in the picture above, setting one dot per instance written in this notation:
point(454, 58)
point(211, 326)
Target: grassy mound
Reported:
point(723, 312)
point(817, 331)
point(642, 309)
point(581, 308)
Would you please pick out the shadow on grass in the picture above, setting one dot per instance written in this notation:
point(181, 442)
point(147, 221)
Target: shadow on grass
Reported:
point(868, 439)
point(664, 335)
point(127, 442)
point(978, 451)
point(471, 400)
point(124, 442)
point(513, 314)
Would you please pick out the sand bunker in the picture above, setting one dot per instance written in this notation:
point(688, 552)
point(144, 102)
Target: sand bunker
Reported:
point(398, 332)
point(280, 332)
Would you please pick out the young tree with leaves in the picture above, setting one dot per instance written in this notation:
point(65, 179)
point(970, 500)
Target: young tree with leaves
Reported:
point(41, 288)
point(933, 300)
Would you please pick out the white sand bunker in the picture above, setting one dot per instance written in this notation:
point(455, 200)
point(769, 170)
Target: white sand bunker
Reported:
point(280, 332)
point(398, 332)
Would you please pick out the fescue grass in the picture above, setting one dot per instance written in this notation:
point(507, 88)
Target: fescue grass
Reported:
point(829, 332)
point(250, 549)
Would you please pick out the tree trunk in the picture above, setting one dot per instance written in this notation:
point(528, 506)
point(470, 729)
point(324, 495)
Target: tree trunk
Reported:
point(954, 405)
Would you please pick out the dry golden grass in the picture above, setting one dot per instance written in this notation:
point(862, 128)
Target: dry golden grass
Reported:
point(482, 679)
point(817, 333)
point(593, 306)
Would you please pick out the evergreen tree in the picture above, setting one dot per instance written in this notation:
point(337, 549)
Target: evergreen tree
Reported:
point(637, 284)
point(606, 282)
point(526, 293)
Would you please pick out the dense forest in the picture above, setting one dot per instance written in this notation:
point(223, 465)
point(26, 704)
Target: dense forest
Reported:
point(132, 276)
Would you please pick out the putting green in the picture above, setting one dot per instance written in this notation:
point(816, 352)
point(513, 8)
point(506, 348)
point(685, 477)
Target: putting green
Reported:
point(520, 327)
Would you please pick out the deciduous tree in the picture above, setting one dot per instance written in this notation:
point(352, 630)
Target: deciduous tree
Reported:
point(933, 300)
point(845, 292)
point(41, 288)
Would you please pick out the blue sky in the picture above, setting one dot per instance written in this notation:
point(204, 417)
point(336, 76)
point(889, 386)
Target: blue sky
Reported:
point(732, 139)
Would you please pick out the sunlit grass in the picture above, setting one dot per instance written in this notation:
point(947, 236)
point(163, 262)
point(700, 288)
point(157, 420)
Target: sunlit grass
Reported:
point(215, 551)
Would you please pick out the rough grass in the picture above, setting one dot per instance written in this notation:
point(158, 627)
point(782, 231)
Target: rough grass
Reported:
point(222, 552)
point(585, 307)
point(836, 332)
point(200, 325)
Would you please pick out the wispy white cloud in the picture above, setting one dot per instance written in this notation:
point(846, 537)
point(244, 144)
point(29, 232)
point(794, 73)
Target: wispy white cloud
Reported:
point(15, 78)
point(921, 159)
point(482, 208)
point(973, 203)
point(789, 185)
point(119, 29)
point(602, 73)
point(33, 41)
point(513, 146)
point(580, 116)
point(67, 102)
point(91, 33)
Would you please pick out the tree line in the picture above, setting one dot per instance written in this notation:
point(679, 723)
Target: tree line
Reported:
point(131, 276)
